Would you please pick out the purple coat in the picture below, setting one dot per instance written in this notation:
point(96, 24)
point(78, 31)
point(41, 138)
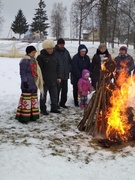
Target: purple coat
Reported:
point(26, 75)
point(84, 85)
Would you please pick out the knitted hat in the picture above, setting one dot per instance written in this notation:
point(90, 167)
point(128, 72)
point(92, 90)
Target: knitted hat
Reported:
point(29, 49)
point(84, 49)
point(60, 41)
point(48, 44)
point(124, 48)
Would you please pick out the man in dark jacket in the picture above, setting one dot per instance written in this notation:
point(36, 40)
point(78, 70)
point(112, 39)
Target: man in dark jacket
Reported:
point(80, 61)
point(124, 62)
point(64, 59)
point(51, 75)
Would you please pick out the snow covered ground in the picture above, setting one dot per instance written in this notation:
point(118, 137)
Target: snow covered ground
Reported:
point(53, 148)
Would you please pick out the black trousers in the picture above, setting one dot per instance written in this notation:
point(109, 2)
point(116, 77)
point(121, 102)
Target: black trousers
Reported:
point(63, 89)
point(53, 96)
point(75, 93)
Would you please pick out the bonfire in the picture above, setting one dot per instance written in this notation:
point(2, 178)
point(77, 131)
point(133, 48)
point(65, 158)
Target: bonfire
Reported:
point(110, 111)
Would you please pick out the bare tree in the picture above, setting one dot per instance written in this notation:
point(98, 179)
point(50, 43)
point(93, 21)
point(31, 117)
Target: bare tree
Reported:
point(1, 18)
point(102, 14)
point(74, 22)
point(114, 19)
point(58, 20)
point(79, 12)
point(128, 9)
point(112, 22)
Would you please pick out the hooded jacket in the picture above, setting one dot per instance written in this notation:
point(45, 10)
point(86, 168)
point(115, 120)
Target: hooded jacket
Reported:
point(79, 63)
point(50, 67)
point(84, 85)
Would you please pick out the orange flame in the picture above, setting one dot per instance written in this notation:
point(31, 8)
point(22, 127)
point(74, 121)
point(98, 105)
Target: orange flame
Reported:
point(117, 120)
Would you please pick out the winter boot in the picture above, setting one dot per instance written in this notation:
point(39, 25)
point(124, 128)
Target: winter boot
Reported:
point(85, 105)
point(81, 105)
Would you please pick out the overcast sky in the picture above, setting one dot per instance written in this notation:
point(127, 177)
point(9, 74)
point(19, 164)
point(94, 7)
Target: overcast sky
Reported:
point(11, 7)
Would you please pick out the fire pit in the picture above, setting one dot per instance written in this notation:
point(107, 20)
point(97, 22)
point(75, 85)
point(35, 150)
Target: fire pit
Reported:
point(109, 113)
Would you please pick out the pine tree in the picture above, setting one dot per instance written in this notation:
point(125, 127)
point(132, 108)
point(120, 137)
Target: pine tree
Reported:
point(20, 25)
point(39, 21)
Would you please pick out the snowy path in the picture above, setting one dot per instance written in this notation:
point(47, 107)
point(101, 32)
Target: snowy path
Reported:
point(53, 148)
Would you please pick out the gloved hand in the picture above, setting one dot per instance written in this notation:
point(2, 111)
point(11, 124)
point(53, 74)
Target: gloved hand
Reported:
point(59, 80)
point(81, 93)
point(25, 85)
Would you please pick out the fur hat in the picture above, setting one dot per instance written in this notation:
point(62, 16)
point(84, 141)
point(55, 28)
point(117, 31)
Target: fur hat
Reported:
point(124, 48)
point(101, 46)
point(60, 41)
point(48, 44)
point(29, 49)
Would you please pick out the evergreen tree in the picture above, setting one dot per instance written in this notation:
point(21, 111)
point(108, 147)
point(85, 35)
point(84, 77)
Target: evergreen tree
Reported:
point(39, 21)
point(20, 25)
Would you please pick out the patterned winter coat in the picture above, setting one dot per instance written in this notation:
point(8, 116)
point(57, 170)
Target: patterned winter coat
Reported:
point(79, 63)
point(84, 85)
point(26, 75)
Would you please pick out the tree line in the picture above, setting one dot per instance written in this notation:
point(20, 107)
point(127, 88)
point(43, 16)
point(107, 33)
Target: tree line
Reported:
point(114, 19)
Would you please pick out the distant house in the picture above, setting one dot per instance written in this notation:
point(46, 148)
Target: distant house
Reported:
point(90, 35)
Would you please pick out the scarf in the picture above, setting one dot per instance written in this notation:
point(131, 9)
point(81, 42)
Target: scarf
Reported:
point(33, 65)
point(36, 72)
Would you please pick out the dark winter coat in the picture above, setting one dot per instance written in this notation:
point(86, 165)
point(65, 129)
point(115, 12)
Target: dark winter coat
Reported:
point(79, 63)
point(125, 62)
point(50, 67)
point(26, 76)
point(64, 59)
point(96, 65)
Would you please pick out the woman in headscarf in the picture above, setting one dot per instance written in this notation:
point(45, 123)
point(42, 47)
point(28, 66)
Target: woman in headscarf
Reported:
point(97, 60)
point(31, 81)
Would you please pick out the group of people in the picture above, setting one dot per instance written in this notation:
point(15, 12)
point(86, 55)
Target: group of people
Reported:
point(50, 71)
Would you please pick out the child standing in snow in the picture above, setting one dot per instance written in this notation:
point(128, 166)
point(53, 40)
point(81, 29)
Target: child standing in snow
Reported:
point(31, 80)
point(84, 86)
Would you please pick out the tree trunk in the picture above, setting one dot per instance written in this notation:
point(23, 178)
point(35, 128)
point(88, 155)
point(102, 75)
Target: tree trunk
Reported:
point(134, 39)
point(103, 22)
point(80, 28)
point(19, 36)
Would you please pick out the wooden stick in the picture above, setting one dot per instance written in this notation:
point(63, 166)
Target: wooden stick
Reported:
point(97, 115)
point(92, 113)
point(87, 112)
